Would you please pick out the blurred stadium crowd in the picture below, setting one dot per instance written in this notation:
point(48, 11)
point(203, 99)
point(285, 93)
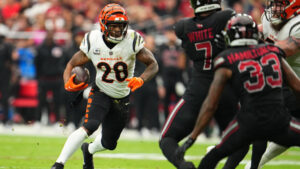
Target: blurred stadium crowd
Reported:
point(38, 37)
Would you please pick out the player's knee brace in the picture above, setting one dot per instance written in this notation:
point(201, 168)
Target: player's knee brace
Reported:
point(91, 126)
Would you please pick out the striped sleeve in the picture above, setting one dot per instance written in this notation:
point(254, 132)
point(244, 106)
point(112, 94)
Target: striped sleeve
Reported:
point(138, 42)
point(85, 44)
point(295, 30)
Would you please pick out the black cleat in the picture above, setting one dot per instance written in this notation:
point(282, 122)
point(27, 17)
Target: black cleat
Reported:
point(57, 166)
point(87, 157)
point(186, 165)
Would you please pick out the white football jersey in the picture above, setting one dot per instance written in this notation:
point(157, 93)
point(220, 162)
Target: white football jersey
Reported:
point(114, 65)
point(291, 28)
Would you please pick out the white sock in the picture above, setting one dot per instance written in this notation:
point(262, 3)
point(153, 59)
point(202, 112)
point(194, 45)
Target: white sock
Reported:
point(272, 151)
point(96, 145)
point(73, 142)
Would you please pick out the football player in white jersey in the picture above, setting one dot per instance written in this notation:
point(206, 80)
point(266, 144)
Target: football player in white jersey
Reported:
point(113, 51)
point(280, 20)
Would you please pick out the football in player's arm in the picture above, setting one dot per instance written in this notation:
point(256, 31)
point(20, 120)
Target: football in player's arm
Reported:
point(80, 58)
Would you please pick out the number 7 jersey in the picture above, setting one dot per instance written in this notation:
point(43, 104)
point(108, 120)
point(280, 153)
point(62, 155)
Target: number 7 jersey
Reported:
point(113, 65)
point(198, 34)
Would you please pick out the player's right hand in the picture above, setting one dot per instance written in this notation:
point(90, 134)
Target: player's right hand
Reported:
point(180, 151)
point(220, 40)
point(72, 87)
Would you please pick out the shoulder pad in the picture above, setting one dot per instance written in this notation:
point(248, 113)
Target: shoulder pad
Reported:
point(222, 61)
point(227, 11)
point(179, 27)
point(218, 61)
point(137, 41)
point(85, 43)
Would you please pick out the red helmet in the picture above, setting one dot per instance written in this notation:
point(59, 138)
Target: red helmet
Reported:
point(113, 14)
point(282, 10)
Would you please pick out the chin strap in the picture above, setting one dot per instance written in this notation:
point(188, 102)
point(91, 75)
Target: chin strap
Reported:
point(115, 40)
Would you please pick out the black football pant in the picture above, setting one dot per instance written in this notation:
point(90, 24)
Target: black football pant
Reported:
point(259, 147)
point(170, 91)
point(182, 119)
point(237, 136)
point(112, 113)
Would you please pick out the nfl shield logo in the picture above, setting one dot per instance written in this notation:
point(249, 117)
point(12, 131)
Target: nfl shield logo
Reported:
point(96, 51)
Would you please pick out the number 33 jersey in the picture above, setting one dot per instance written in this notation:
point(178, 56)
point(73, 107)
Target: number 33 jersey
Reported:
point(256, 73)
point(113, 65)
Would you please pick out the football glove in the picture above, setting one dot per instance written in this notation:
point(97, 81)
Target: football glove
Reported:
point(180, 151)
point(220, 40)
point(72, 87)
point(135, 83)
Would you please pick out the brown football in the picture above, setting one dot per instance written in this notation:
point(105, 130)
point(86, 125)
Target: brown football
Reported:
point(82, 74)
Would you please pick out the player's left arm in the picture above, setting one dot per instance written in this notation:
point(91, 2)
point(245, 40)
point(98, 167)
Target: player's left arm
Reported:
point(208, 108)
point(210, 104)
point(290, 46)
point(146, 57)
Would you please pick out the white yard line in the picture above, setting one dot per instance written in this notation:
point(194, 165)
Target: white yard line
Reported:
point(148, 156)
point(160, 157)
point(57, 131)
point(62, 131)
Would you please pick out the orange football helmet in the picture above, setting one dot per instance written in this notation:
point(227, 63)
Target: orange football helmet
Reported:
point(281, 10)
point(113, 14)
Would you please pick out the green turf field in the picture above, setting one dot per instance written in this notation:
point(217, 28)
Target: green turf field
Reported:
point(28, 152)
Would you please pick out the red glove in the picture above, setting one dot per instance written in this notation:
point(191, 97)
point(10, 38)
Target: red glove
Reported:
point(135, 83)
point(72, 87)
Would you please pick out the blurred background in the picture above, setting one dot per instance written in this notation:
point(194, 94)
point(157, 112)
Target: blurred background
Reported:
point(38, 37)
